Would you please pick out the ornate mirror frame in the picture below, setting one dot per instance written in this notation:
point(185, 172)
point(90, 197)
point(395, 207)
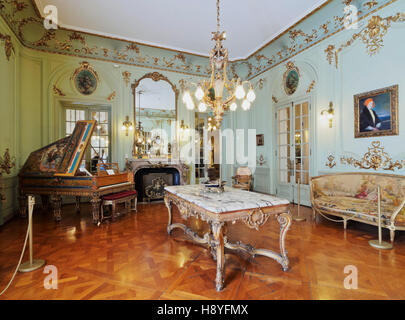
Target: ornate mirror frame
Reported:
point(155, 76)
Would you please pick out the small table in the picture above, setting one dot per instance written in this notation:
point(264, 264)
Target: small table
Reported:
point(217, 210)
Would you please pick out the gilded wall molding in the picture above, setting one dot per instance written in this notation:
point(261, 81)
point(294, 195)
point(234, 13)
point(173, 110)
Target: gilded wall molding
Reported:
point(331, 162)
point(372, 35)
point(260, 83)
point(8, 45)
point(85, 66)
point(376, 158)
point(296, 39)
point(58, 91)
point(127, 77)
point(112, 96)
point(23, 14)
point(6, 164)
point(311, 86)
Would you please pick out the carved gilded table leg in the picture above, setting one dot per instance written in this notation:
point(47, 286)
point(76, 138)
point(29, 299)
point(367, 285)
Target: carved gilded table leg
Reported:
point(282, 258)
point(285, 222)
point(168, 204)
point(211, 243)
point(217, 230)
point(216, 239)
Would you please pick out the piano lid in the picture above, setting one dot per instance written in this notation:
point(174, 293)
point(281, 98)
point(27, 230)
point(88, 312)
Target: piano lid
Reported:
point(63, 157)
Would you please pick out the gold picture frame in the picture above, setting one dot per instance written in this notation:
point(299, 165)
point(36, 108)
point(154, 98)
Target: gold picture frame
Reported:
point(85, 79)
point(291, 79)
point(260, 140)
point(381, 118)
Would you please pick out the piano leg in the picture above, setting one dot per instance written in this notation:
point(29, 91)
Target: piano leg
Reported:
point(23, 199)
point(95, 204)
point(44, 203)
point(77, 205)
point(56, 206)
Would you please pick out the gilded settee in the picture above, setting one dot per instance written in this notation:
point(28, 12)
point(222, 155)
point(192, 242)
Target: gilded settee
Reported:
point(353, 196)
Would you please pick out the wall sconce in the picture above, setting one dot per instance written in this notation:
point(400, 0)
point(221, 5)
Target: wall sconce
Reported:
point(127, 126)
point(183, 127)
point(328, 114)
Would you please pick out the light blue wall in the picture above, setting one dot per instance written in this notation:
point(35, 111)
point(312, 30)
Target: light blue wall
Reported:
point(357, 72)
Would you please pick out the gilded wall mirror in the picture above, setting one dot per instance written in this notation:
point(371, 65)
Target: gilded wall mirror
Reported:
point(155, 117)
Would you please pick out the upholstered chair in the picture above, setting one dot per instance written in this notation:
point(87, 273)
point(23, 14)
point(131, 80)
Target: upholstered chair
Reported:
point(243, 179)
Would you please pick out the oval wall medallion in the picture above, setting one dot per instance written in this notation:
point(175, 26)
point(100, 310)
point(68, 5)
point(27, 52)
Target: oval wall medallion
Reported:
point(291, 79)
point(85, 79)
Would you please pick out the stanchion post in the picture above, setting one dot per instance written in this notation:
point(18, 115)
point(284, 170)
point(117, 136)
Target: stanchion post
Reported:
point(298, 218)
point(32, 264)
point(379, 244)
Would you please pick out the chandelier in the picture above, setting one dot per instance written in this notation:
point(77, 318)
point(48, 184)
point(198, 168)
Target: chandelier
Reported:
point(211, 125)
point(140, 133)
point(219, 93)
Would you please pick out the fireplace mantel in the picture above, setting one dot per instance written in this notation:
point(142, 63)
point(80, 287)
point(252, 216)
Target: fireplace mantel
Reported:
point(135, 165)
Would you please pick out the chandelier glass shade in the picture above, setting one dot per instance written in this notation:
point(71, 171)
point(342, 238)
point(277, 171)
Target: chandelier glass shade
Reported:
point(219, 94)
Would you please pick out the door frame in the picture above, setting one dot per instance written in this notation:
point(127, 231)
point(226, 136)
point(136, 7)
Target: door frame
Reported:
point(310, 98)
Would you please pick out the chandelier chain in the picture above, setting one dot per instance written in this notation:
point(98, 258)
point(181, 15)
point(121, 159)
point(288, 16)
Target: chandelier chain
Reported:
point(219, 94)
point(218, 16)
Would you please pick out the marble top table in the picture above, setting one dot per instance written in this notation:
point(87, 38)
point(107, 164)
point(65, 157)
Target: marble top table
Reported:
point(233, 205)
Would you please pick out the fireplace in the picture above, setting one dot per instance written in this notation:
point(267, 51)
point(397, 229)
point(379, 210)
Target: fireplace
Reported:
point(150, 182)
point(154, 174)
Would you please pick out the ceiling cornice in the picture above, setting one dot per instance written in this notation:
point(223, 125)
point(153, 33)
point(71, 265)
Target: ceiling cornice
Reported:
point(39, 15)
point(23, 15)
point(305, 35)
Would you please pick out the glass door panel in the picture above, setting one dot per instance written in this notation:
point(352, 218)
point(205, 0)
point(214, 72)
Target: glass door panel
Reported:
point(100, 141)
point(293, 150)
point(284, 145)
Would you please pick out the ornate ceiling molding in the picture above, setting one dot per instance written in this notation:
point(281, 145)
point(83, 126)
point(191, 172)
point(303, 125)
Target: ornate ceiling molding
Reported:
point(22, 16)
point(306, 34)
point(372, 35)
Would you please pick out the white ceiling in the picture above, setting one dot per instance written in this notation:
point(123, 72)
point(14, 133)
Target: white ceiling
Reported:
point(184, 25)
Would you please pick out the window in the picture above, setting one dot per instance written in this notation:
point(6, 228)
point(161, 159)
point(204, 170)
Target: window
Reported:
point(100, 141)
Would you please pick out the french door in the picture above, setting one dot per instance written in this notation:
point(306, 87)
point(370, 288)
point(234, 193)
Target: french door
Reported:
point(101, 138)
point(293, 152)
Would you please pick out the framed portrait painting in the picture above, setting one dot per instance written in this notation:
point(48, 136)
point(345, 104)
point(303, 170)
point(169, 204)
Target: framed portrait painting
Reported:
point(260, 140)
point(376, 113)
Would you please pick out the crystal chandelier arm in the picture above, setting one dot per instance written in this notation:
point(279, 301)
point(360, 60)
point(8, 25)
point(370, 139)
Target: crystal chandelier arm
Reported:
point(229, 101)
point(208, 101)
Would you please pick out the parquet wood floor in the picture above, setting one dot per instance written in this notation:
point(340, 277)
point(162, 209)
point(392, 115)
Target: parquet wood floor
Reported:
point(134, 258)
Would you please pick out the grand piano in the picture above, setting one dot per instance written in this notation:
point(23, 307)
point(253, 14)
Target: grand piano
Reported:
point(57, 170)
